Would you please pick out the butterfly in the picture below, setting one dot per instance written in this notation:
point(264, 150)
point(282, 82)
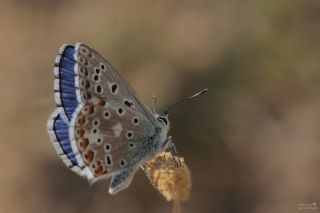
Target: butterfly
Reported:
point(100, 128)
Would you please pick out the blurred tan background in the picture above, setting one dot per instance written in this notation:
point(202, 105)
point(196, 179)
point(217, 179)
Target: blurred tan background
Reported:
point(252, 143)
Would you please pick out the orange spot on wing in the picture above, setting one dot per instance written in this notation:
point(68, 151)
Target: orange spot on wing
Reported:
point(89, 156)
point(81, 120)
point(91, 109)
point(98, 170)
point(82, 144)
point(101, 103)
point(80, 132)
point(85, 143)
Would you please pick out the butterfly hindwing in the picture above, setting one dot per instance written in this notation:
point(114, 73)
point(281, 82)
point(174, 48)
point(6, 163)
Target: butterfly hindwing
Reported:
point(109, 141)
point(58, 132)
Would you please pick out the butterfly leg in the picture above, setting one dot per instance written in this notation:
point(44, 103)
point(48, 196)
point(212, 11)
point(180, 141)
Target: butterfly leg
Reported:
point(167, 143)
point(122, 180)
point(172, 148)
point(164, 146)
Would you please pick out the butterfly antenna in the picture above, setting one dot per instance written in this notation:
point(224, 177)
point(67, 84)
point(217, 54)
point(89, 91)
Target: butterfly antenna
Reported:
point(154, 101)
point(184, 100)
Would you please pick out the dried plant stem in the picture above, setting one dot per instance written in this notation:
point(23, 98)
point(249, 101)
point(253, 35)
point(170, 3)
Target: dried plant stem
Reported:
point(176, 208)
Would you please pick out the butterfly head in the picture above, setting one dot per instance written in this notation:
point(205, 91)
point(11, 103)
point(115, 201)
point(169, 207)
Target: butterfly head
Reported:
point(163, 119)
point(163, 122)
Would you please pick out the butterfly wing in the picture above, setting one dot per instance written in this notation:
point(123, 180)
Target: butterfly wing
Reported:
point(111, 125)
point(58, 131)
point(64, 83)
point(109, 141)
point(98, 80)
point(66, 101)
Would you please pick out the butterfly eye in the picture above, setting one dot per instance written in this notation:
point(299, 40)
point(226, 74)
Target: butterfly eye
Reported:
point(163, 120)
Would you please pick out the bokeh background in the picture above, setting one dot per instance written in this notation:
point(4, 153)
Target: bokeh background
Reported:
point(252, 142)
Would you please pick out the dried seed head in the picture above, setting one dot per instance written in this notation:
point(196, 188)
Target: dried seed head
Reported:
point(172, 180)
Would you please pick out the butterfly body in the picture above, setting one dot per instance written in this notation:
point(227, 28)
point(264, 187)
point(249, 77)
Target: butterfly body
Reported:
point(100, 128)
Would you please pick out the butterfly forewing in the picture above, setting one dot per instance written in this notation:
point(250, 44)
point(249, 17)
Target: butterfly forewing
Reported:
point(97, 79)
